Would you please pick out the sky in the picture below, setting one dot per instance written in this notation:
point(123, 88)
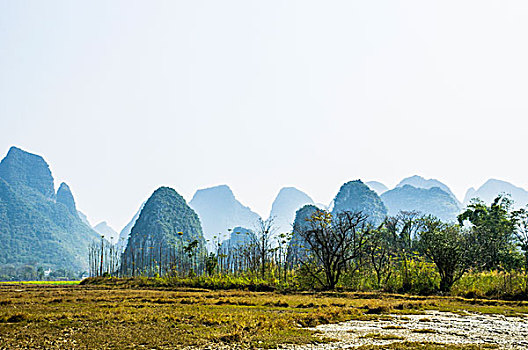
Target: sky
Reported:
point(121, 97)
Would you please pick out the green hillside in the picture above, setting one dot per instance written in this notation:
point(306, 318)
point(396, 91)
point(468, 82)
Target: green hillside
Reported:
point(34, 228)
point(356, 196)
point(167, 224)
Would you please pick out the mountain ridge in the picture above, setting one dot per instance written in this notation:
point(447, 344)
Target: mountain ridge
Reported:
point(421, 182)
point(493, 187)
point(219, 211)
point(432, 201)
point(356, 196)
point(35, 228)
point(284, 207)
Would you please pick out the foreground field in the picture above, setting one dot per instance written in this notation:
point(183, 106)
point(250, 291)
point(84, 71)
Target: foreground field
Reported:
point(99, 317)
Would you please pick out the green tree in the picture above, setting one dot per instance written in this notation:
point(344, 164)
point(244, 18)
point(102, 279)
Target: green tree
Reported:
point(211, 262)
point(190, 251)
point(446, 245)
point(40, 273)
point(492, 232)
point(521, 234)
point(380, 252)
point(402, 231)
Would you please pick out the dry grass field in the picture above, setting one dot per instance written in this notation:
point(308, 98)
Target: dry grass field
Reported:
point(108, 317)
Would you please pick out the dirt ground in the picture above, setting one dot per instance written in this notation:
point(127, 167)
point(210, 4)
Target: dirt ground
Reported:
point(434, 326)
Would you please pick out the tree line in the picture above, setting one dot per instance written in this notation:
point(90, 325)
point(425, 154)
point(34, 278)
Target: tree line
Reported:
point(409, 252)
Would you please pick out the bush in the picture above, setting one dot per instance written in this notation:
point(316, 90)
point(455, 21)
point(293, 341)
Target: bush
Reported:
point(424, 278)
point(492, 284)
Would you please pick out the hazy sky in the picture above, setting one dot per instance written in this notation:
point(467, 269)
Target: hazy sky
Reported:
point(121, 97)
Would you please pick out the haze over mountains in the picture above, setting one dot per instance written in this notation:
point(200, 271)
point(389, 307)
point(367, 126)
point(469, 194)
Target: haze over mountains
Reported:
point(220, 211)
point(107, 232)
point(41, 226)
point(377, 187)
point(489, 190)
point(432, 201)
point(239, 236)
point(284, 207)
point(420, 182)
point(125, 232)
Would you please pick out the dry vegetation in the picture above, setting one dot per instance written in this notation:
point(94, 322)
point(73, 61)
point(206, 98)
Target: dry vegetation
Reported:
point(103, 317)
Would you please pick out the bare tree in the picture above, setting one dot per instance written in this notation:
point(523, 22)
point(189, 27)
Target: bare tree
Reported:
point(335, 242)
point(264, 231)
point(380, 254)
point(104, 258)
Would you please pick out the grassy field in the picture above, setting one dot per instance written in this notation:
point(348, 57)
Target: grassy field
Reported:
point(58, 316)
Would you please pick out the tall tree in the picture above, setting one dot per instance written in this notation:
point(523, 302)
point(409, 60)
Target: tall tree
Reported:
point(264, 231)
point(403, 229)
point(335, 243)
point(380, 253)
point(492, 232)
point(521, 234)
point(447, 246)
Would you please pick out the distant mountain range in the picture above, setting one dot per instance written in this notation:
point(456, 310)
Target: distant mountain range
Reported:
point(287, 202)
point(125, 232)
point(377, 187)
point(493, 187)
point(41, 226)
point(356, 196)
point(420, 182)
point(107, 232)
point(432, 201)
point(220, 211)
point(239, 238)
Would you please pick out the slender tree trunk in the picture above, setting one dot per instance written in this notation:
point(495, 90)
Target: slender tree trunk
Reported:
point(102, 256)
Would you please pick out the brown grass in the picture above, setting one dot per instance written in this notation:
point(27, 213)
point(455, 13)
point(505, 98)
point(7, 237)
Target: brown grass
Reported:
point(96, 317)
